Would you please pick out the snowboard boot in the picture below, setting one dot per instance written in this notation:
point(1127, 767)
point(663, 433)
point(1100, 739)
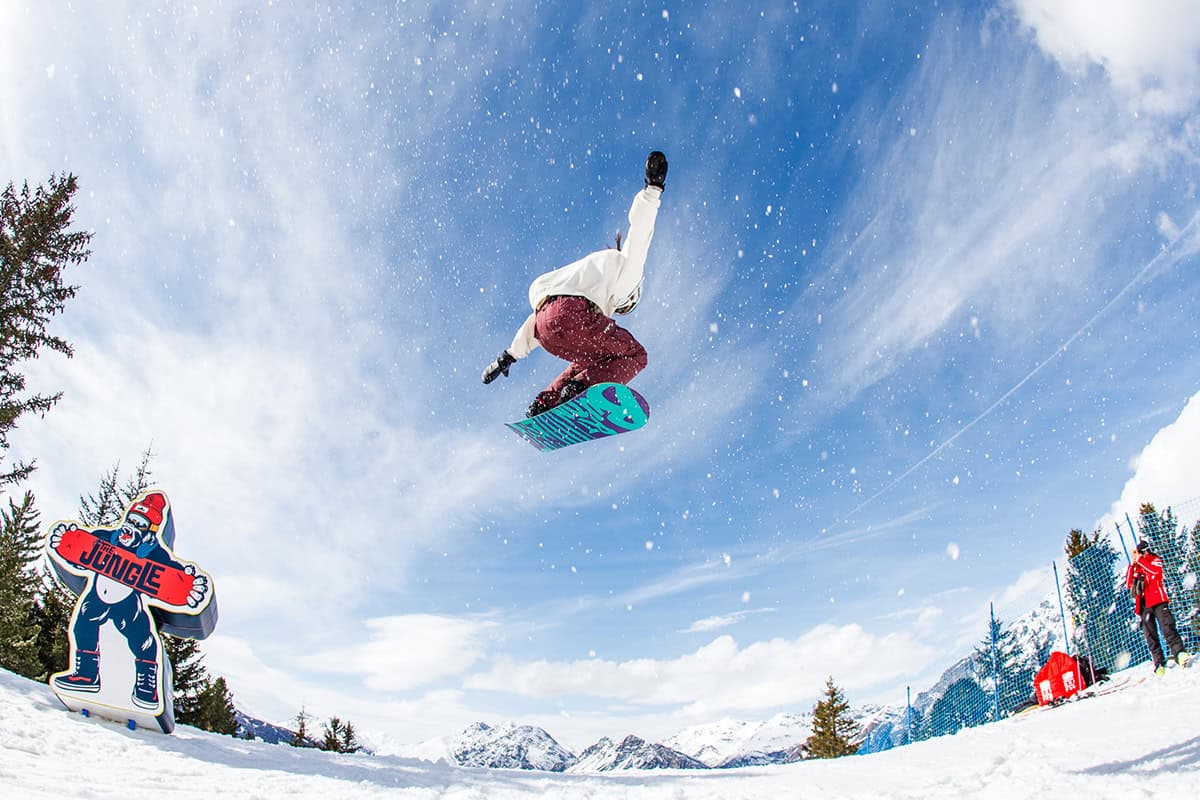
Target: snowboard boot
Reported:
point(145, 684)
point(1160, 670)
point(86, 675)
point(543, 402)
point(571, 390)
point(547, 400)
point(656, 170)
point(1182, 658)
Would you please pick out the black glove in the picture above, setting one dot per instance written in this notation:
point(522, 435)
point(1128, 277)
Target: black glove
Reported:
point(500, 365)
point(656, 169)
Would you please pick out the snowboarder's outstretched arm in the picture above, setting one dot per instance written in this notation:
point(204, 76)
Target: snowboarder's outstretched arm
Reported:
point(523, 344)
point(627, 287)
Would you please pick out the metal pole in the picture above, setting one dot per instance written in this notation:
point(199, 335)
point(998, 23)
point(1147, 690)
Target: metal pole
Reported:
point(908, 718)
point(1061, 609)
point(995, 665)
point(1121, 538)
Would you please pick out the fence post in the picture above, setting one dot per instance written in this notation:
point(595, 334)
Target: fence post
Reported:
point(908, 718)
point(1121, 537)
point(995, 666)
point(1062, 613)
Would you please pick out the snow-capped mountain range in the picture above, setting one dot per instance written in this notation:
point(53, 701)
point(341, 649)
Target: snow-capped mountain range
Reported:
point(632, 753)
point(728, 743)
point(509, 746)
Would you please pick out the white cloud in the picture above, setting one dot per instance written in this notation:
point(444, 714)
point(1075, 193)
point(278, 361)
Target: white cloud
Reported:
point(1164, 472)
point(1149, 49)
point(406, 652)
point(721, 675)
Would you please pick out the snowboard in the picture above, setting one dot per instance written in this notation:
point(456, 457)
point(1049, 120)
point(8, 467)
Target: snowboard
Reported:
point(604, 410)
point(161, 582)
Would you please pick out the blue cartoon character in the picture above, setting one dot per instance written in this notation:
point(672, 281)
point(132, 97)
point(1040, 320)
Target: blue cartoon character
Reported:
point(128, 578)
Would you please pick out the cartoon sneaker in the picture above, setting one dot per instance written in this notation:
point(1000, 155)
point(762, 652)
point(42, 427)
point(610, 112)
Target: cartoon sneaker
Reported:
point(145, 684)
point(86, 675)
point(1162, 670)
point(1182, 658)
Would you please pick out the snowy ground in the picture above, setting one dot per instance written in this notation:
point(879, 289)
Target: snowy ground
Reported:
point(1143, 742)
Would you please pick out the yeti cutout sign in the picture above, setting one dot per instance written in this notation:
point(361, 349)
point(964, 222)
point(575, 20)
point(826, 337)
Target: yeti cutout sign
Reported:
point(130, 586)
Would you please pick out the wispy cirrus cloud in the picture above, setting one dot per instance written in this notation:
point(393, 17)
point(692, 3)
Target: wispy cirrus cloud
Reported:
point(724, 620)
point(970, 216)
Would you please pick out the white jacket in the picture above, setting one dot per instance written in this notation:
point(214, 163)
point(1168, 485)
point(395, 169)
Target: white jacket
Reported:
point(609, 278)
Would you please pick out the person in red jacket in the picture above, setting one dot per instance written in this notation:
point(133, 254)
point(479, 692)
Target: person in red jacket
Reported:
point(1144, 579)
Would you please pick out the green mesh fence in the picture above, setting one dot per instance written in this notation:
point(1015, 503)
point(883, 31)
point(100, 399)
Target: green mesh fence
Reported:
point(1088, 613)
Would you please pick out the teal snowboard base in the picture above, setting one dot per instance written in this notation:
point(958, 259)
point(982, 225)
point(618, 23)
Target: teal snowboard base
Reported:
point(604, 410)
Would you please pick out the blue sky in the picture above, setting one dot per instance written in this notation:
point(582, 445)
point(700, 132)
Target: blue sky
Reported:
point(921, 295)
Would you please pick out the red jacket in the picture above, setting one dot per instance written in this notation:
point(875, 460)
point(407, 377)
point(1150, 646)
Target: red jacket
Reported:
point(1149, 568)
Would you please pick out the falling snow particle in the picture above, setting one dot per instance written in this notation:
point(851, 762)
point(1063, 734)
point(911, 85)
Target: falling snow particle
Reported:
point(649, 545)
point(745, 597)
point(834, 88)
point(728, 559)
point(50, 72)
point(955, 481)
point(952, 551)
point(737, 92)
point(666, 14)
point(900, 593)
point(712, 327)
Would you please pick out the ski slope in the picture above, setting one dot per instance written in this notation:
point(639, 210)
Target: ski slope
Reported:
point(1142, 742)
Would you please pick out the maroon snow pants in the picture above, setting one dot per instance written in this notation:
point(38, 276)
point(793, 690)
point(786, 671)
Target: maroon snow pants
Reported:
point(599, 349)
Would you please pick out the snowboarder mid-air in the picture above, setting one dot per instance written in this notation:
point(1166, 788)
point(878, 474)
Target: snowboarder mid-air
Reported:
point(573, 308)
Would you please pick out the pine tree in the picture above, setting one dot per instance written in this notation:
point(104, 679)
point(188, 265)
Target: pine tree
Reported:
point(105, 508)
point(215, 710)
point(1012, 667)
point(339, 737)
point(52, 615)
point(36, 245)
point(834, 732)
point(190, 677)
point(199, 700)
point(1095, 603)
point(20, 547)
point(301, 738)
point(1077, 542)
point(1190, 601)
